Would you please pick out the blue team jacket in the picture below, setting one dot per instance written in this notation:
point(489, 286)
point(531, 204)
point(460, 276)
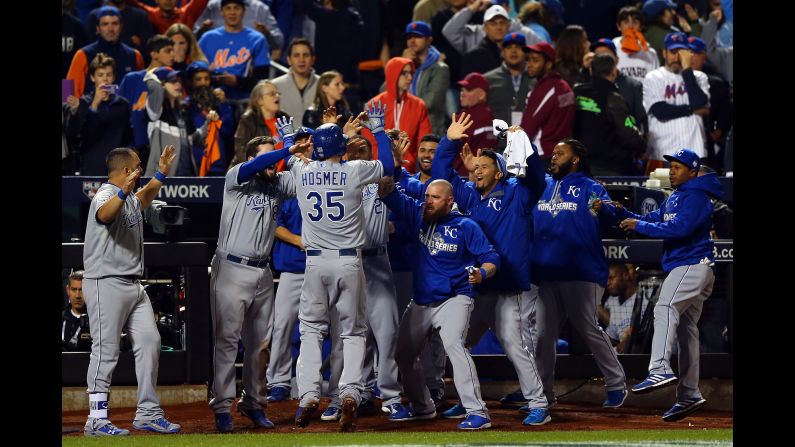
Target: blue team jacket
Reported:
point(684, 221)
point(400, 244)
point(504, 215)
point(567, 245)
point(443, 250)
point(288, 257)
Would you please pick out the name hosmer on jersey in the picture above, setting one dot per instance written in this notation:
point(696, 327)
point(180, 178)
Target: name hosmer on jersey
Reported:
point(334, 178)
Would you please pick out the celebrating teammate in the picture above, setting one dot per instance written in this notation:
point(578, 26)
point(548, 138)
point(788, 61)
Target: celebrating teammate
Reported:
point(683, 221)
point(115, 299)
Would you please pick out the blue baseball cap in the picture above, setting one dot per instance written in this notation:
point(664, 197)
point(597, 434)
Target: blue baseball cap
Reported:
point(674, 41)
point(555, 6)
point(653, 8)
point(517, 38)
point(603, 42)
point(167, 74)
point(686, 157)
point(419, 28)
point(196, 67)
point(697, 44)
point(303, 131)
point(108, 11)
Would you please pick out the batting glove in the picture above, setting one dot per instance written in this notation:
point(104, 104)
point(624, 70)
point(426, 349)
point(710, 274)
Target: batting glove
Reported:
point(375, 113)
point(284, 126)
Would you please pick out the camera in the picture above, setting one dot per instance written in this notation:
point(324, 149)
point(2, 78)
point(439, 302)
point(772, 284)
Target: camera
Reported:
point(172, 215)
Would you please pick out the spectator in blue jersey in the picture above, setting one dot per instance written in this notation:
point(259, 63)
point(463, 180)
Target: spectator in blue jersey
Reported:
point(101, 118)
point(258, 17)
point(238, 55)
point(568, 263)
point(452, 257)
point(683, 222)
point(133, 89)
point(202, 99)
point(502, 206)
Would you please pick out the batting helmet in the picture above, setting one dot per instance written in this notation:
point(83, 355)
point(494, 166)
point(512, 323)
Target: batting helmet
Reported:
point(327, 142)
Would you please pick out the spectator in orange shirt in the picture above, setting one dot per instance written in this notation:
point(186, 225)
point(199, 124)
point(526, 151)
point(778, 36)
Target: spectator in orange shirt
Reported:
point(167, 13)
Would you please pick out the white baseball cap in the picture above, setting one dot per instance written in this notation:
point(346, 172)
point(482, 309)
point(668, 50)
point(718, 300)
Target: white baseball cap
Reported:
point(494, 11)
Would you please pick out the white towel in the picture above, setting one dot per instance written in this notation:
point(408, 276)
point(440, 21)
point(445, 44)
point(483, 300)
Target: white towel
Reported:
point(517, 149)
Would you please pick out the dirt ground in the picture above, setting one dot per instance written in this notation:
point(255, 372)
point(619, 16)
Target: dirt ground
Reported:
point(197, 418)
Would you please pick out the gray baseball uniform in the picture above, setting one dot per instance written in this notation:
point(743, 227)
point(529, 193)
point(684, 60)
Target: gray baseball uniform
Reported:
point(677, 310)
point(578, 301)
point(330, 198)
point(380, 303)
point(288, 296)
point(116, 300)
point(241, 285)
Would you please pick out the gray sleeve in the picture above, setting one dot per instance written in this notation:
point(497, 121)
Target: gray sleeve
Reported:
point(275, 36)
point(369, 171)
point(154, 100)
point(455, 29)
point(286, 185)
point(719, 57)
point(437, 88)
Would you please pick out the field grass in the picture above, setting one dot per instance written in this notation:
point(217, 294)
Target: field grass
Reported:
point(701, 437)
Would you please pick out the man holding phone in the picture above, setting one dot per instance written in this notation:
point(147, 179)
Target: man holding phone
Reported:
point(100, 118)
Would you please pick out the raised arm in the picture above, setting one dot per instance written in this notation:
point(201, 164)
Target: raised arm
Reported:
point(149, 192)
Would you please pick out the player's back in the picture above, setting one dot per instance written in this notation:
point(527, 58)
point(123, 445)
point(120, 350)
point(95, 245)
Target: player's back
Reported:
point(330, 197)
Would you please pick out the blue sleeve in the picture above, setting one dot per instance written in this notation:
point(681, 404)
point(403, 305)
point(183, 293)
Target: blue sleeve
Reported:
point(281, 220)
point(479, 245)
point(695, 95)
point(260, 162)
point(125, 84)
point(404, 208)
point(385, 152)
point(442, 166)
point(411, 186)
point(261, 53)
point(534, 180)
point(608, 215)
point(691, 213)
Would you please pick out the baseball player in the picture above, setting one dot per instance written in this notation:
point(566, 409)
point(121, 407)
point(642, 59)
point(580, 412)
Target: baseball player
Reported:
point(400, 246)
point(381, 303)
point(241, 282)
point(450, 247)
point(569, 265)
point(675, 97)
point(502, 207)
point(330, 197)
point(115, 299)
point(290, 259)
point(684, 222)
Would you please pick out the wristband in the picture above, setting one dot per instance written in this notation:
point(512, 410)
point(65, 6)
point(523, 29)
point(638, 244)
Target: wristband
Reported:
point(160, 176)
point(483, 273)
point(122, 195)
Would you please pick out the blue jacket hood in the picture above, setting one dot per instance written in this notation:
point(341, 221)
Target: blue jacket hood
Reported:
point(708, 183)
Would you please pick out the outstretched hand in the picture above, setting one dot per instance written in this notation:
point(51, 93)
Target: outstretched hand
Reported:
point(131, 180)
point(399, 149)
point(375, 115)
point(459, 126)
point(353, 126)
point(300, 150)
point(166, 158)
point(330, 116)
point(284, 126)
point(468, 158)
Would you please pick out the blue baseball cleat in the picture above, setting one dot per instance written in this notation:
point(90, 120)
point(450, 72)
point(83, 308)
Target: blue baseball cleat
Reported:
point(537, 416)
point(257, 416)
point(475, 422)
point(160, 425)
point(223, 422)
point(653, 382)
point(615, 398)
point(457, 411)
point(682, 408)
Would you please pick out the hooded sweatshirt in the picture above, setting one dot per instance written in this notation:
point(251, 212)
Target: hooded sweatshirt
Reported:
point(683, 221)
point(566, 243)
point(443, 250)
point(549, 113)
point(411, 111)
